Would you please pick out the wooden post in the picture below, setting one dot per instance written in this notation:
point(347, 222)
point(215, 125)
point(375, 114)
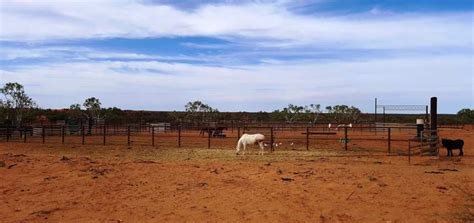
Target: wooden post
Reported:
point(128, 135)
point(345, 138)
point(43, 135)
point(179, 136)
point(389, 139)
point(63, 133)
point(271, 139)
point(153, 136)
point(83, 134)
point(208, 138)
point(307, 138)
point(105, 132)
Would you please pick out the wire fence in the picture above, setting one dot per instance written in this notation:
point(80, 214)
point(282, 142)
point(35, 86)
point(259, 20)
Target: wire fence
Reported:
point(394, 139)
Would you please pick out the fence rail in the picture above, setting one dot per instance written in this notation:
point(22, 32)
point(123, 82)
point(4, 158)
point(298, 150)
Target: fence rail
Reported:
point(359, 138)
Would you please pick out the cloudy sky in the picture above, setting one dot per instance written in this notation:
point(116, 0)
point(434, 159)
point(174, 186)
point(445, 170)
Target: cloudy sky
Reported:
point(239, 55)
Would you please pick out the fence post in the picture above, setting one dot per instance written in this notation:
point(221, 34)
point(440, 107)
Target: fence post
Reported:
point(409, 152)
point(63, 133)
point(8, 133)
point(128, 135)
point(307, 138)
point(153, 136)
point(208, 138)
point(179, 136)
point(43, 133)
point(238, 133)
point(24, 135)
point(346, 140)
point(389, 138)
point(105, 132)
point(83, 134)
point(271, 139)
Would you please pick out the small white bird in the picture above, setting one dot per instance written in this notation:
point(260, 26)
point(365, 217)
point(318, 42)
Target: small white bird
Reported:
point(329, 126)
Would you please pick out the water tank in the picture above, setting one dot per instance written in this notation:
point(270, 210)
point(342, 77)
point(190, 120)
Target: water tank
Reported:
point(420, 126)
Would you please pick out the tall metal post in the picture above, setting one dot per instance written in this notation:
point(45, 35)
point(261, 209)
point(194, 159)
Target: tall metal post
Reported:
point(8, 133)
point(208, 138)
point(375, 113)
point(43, 135)
point(389, 139)
point(271, 139)
point(434, 121)
point(105, 132)
point(83, 134)
point(128, 135)
point(345, 138)
point(179, 136)
point(63, 133)
point(238, 133)
point(307, 138)
point(409, 152)
point(153, 136)
point(384, 115)
point(24, 135)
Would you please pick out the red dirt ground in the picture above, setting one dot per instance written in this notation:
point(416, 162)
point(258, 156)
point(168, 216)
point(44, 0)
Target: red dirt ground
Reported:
point(93, 183)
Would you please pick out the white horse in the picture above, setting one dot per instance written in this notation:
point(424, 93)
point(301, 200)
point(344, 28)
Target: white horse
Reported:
point(250, 139)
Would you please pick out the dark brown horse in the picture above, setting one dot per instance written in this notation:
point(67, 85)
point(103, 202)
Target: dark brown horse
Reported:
point(213, 131)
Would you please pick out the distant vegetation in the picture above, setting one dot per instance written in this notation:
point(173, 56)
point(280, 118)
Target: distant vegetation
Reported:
point(17, 108)
point(15, 105)
point(466, 115)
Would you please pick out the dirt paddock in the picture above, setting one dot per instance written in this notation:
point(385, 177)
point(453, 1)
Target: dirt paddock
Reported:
point(92, 183)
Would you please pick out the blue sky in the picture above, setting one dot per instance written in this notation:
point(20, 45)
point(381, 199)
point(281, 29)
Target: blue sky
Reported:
point(239, 55)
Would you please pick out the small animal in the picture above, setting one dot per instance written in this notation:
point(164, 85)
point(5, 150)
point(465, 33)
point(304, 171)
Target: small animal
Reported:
point(453, 144)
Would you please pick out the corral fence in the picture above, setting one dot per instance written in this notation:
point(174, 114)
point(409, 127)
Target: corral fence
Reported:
point(388, 138)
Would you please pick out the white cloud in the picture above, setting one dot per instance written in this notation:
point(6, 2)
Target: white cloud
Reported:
point(62, 53)
point(168, 86)
point(265, 23)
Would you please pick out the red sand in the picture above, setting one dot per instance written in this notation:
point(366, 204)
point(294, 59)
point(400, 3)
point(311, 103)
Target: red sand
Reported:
point(144, 184)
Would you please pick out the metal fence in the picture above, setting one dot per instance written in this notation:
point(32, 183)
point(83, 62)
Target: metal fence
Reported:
point(397, 139)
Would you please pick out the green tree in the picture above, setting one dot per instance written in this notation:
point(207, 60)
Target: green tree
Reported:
point(292, 113)
point(92, 106)
point(198, 110)
point(75, 107)
point(113, 115)
point(76, 115)
point(466, 115)
point(93, 111)
point(343, 114)
point(15, 103)
point(313, 110)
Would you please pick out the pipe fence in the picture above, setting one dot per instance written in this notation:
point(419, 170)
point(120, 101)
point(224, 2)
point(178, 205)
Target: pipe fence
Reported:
point(385, 139)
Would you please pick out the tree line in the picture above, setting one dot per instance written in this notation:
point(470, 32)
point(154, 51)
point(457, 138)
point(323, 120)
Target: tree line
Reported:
point(17, 109)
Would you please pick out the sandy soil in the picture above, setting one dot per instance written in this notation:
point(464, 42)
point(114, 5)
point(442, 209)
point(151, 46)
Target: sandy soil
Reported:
point(74, 183)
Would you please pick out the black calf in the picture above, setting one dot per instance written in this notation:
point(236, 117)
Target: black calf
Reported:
point(453, 144)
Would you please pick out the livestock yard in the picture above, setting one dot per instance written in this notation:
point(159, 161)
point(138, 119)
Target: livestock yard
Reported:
point(183, 176)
